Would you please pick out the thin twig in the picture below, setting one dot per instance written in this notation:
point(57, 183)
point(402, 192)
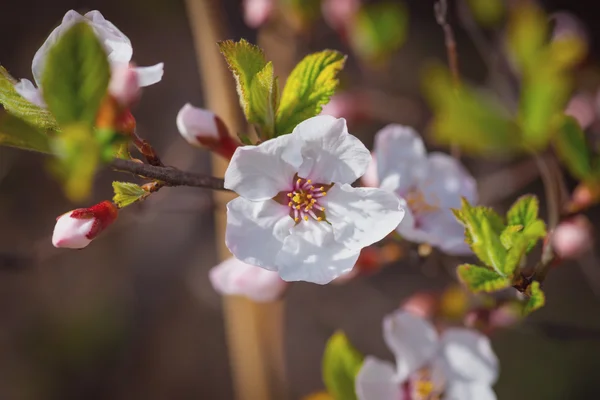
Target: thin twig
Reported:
point(169, 175)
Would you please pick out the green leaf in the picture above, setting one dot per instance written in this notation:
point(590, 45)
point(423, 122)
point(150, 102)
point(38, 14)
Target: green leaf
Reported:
point(524, 211)
point(527, 35)
point(76, 75)
point(15, 132)
point(466, 117)
point(308, 88)
point(256, 85)
point(127, 193)
point(509, 235)
point(487, 12)
point(536, 300)
point(379, 30)
point(341, 363)
point(515, 254)
point(16, 105)
point(78, 155)
point(481, 279)
point(490, 248)
point(572, 148)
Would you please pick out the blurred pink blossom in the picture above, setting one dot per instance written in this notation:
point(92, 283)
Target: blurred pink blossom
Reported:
point(339, 13)
point(582, 108)
point(257, 12)
point(573, 237)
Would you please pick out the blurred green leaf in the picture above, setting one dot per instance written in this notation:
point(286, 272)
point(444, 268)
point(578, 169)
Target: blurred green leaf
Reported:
point(341, 363)
point(487, 12)
point(127, 193)
point(527, 35)
point(257, 87)
point(308, 88)
point(536, 300)
point(76, 76)
point(15, 132)
point(481, 279)
point(78, 155)
point(379, 30)
point(300, 13)
point(467, 118)
point(514, 255)
point(16, 105)
point(571, 147)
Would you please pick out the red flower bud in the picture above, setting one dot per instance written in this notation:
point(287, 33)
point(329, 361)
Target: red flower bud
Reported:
point(77, 228)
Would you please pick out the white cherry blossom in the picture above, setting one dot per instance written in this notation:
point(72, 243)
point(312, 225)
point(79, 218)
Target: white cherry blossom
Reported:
point(117, 45)
point(297, 213)
point(429, 185)
point(235, 277)
point(458, 365)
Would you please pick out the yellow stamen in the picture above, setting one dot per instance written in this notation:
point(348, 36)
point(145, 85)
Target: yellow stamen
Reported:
point(306, 217)
point(324, 193)
point(319, 218)
point(308, 181)
point(290, 194)
point(296, 219)
point(298, 181)
point(309, 196)
point(298, 207)
point(290, 204)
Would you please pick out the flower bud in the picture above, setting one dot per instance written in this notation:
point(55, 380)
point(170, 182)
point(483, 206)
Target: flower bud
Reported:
point(257, 12)
point(422, 304)
point(370, 178)
point(77, 228)
point(339, 14)
point(235, 277)
point(202, 128)
point(124, 85)
point(572, 238)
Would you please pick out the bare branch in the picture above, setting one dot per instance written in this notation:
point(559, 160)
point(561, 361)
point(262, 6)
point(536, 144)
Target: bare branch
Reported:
point(169, 175)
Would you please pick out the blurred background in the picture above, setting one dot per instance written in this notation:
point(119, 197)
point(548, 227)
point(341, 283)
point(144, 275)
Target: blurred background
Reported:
point(134, 317)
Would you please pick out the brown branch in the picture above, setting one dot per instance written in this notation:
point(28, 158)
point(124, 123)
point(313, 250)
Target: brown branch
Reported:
point(169, 175)
point(441, 12)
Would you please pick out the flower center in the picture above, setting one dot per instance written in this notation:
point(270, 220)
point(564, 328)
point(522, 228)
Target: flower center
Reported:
point(304, 200)
point(422, 387)
point(416, 201)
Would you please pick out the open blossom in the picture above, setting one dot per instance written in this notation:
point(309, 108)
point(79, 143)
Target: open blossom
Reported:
point(234, 277)
point(202, 128)
point(117, 46)
point(459, 364)
point(297, 213)
point(428, 185)
point(76, 229)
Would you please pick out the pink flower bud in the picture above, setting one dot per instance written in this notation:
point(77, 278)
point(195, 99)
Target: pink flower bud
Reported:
point(77, 228)
point(370, 178)
point(573, 237)
point(422, 304)
point(235, 277)
point(339, 14)
point(257, 12)
point(202, 128)
point(581, 107)
point(124, 85)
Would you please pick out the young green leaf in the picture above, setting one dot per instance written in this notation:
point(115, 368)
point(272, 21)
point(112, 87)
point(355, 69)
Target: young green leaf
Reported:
point(481, 279)
point(308, 88)
point(127, 193)
point(16, 105)
point(536, 300)
point(515, 254)
point(572, 148)
point(379, 30)
point(15, 132)
point(490, 248)
point(78, 156)
point(75, 77)
point(341, 363)
point(510, 234)
point(487, 12)
point(256, 85)
point(524, 211)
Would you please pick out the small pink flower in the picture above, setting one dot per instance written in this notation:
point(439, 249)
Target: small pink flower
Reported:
point(573, 237)
point(257, 12)
point(339, 14)
point(235, 277)
point(124, 85)
point(582, 108)
point(202, 128)
point(76, 229)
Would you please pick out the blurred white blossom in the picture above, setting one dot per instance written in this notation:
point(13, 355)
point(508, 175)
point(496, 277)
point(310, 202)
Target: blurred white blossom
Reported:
point(459, 364)
point(428, 186)
point(297, 213)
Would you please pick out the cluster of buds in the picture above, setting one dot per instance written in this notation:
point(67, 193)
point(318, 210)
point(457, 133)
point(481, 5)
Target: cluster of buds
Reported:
point(77, 228)
point(202, 128)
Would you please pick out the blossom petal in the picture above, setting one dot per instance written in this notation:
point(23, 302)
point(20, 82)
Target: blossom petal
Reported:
point(330, 153)
point(71, 18)
point(32, 94)
point(469, 391)
point(409, 230)
point(361, 216)
point(117, 45)
point(467, 355)
point(400, 153)
point(376, 380)
point(235, 277)
point(447, 180)
point(311, 254)
point(256, 230)
point(412, 339)
point(149, 75)
point(260, 172)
